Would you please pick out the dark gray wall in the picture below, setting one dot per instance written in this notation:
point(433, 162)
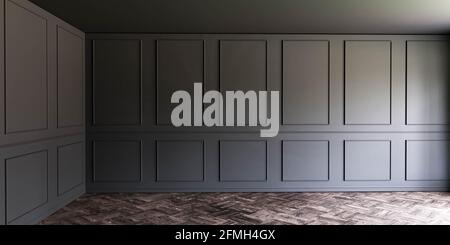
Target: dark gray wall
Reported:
point(42, 116)
point(359, 112)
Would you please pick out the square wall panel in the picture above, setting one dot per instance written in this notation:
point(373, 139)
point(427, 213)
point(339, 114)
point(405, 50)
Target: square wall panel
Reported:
point(117, 161)
point(427, 160)
point(305, 160)
point(367, 160)
point(243, 161)
point(179, 161)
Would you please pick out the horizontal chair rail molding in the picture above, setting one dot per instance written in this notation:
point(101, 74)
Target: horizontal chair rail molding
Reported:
point(357, 112)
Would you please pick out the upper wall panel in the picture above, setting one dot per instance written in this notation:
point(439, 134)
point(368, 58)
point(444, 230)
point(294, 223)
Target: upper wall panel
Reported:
point(180, 64)
point(26, 70)
point(368, 82)
point(428, 64)
point(306, 82)
point(70, 79)
point(117, 82)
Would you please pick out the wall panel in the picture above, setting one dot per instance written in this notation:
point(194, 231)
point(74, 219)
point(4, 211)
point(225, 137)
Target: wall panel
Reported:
point(70, 166)
point(427, 160)
point(367, 160)
point(180, 64)
point(427, 82)
point(305, 160)
point(26, 67)
point(117, 161)
point(306, 82)
point(187, 165)
point(26, 190)
point(117, 82)
point(243, 161)
point(70, 79)
point(367, 82)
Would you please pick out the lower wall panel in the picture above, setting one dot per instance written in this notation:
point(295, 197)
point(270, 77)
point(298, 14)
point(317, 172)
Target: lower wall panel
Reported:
point(245, 162)
point(39, 178)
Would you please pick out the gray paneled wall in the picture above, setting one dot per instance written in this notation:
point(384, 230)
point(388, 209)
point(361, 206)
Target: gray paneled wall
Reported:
point(42, 115)
point(359, 112)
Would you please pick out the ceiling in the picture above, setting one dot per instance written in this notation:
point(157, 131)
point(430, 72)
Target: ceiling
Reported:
point(255, 16)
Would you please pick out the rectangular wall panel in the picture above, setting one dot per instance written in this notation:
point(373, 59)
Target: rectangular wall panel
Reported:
point(305, 160)
point(180, 64)
point(187, 165)
point(368, 82)
point(243, 161)
point(427, 160)
point(243, 65)
point(427, 78)
point(26, 183)
point(305, 82)
point(70, 79)
point(117, 82)
point(117, 161)
point(70, 167)
point(367, 160)
point(26, 70)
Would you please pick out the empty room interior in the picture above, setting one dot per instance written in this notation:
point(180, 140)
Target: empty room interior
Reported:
point(237, 112)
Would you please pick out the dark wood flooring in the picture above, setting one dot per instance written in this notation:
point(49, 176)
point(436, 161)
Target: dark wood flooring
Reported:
point(256, 208)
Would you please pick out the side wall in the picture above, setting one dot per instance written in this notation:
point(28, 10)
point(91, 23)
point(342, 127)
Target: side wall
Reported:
point(42, 122)
point(359, 113)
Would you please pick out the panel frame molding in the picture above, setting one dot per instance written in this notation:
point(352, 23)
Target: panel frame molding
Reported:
point(266, 163)
point(141, 164)
point(406, 160)
point(304, 140)
point(345, 122)
point(204, 82)
point(46, 151)
point(282, 119)
point(204, 162)
point(141, 82)
point(59, 192)
point(370, 140)
point(407, 123)
point(47, 85)
point(58, 28)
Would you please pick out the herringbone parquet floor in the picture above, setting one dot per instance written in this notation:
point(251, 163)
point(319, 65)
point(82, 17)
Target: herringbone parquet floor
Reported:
point(257, 208)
